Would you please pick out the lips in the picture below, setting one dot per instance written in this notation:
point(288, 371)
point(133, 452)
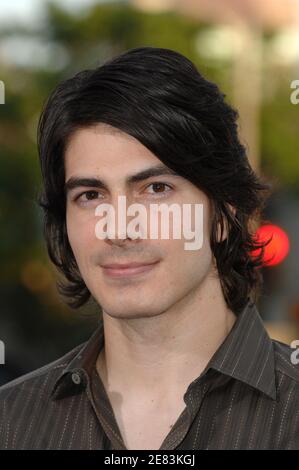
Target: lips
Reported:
point(126, 265)
point(129, 269)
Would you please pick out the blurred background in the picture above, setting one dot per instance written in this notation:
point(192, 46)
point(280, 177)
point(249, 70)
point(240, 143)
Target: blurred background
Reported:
point(249, 48)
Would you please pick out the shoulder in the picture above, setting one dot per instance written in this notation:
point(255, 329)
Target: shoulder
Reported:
point(33, 381)
point(286, 365)
point(26, 405)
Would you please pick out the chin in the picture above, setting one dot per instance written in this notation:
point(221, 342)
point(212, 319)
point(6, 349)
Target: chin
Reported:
point(130, 314)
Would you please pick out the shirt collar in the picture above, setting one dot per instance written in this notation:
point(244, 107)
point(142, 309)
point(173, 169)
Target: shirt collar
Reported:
point(246, 354)
point(77, 374)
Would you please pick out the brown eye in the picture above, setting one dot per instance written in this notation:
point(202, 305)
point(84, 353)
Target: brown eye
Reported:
point(159, 187)
point(91, 195)
point(87, 196)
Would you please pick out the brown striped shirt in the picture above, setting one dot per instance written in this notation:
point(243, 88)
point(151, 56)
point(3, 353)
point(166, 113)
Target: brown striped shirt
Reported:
point(247, 397)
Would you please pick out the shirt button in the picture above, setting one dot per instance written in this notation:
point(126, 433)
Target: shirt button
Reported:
point(76, 378)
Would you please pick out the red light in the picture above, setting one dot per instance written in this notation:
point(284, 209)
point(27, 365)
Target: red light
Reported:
point(277, 249)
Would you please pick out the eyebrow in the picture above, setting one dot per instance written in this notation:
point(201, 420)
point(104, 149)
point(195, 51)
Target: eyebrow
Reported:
point(159, 170)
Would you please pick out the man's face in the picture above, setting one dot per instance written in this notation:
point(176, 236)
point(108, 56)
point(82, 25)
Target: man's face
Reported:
point(107, 154)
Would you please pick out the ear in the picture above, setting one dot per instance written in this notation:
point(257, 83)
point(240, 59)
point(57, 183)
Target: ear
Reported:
point(233, 210)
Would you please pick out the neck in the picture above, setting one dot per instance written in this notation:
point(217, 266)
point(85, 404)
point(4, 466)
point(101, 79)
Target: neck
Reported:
point(166, 352)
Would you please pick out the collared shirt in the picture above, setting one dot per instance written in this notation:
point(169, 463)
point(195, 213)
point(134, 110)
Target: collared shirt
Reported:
point(247, 397)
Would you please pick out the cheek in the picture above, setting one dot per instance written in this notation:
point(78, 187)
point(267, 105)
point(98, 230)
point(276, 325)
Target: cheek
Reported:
point(81, 234)
point(189, 263)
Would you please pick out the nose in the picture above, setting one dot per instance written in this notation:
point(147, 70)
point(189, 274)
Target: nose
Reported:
point(126, 234)
point(124, 221)
point(129, 224)
point(122, 242)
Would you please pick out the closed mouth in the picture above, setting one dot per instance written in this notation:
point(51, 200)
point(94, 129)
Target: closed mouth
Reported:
point(129, 269)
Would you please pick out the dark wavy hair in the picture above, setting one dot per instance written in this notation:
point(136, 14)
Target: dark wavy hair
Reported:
point(159, 97)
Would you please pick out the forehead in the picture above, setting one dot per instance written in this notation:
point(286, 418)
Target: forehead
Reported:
point(103, 148)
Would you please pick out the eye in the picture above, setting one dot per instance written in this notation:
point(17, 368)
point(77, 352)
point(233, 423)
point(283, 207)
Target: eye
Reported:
point(87, 196)
point(159, 187)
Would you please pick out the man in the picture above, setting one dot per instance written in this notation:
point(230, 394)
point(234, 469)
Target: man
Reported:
point(180, 359)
